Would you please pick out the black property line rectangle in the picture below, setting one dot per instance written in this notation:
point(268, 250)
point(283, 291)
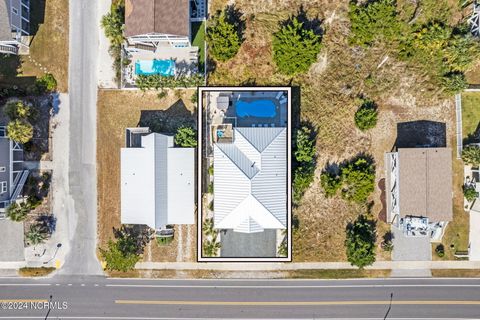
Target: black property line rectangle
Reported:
point(200, 257)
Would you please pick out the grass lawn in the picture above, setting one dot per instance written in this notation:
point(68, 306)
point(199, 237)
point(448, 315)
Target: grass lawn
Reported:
point(118, 110)
point(198, 30)
point(470, 113)
point(35, 272)
point(48, 47)
point(456, 273)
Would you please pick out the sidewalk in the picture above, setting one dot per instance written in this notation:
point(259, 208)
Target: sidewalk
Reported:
point(390, 265)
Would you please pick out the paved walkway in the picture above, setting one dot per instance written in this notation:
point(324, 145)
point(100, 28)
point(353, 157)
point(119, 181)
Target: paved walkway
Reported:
point(38, 165)
point(408, 265)
point(458, 113)
point(474, 235)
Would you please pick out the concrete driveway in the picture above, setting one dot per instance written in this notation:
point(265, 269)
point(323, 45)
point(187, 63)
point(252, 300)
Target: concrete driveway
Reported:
point(249, 245)
point(410, 248)
point(11, 240)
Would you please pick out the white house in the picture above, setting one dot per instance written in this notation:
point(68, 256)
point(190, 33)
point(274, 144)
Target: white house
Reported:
point(250, 180)
point(157, 181)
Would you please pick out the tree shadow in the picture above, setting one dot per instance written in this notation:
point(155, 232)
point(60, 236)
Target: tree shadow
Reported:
point(169, 120)
point(473, 137)
point(314, 24)
point(234, 16)
point(37, 15)
point(422, 133)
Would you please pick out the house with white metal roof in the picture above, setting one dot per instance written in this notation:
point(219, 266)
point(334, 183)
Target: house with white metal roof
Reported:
point(250, 180)
point(157, 181)
point(14, 26)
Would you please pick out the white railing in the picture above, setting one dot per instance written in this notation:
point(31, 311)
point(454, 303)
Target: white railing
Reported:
point(22, 178)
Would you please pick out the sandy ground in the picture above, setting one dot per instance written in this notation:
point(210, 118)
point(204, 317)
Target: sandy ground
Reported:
point(106, 74)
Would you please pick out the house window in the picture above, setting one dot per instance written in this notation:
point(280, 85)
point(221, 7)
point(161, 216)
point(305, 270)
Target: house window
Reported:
point(3, 186)
point(3, 169)
point(14, 11)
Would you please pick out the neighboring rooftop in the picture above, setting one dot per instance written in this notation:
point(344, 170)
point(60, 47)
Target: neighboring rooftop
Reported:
point(250, 180)
point(157, 183)
point(157, 16)
point(425, 177)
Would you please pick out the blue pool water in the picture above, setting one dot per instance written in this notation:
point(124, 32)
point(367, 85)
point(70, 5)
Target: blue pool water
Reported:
point(258, 108)
point(150, 67)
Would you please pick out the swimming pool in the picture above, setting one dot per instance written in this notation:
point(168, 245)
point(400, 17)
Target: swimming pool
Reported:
point(262, 108)
point(150, 67)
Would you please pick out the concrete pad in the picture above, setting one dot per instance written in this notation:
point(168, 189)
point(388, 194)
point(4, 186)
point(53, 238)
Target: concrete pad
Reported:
point(411, 273)
point(249, 245)
point(11, 240)
point(410, 248)
point(474, 236)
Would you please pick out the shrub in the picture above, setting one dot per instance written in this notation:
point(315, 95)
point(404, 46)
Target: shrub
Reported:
point(20, 131)
point(46, 83)
point(373, 20)
point(210, 170)
point(303, 178)
point(454, 82)
point(17, 110)
point(366, 116)
point(471, 155)
point(387, 243)
point(469, 193)
point(304, 146)
point(330, 183)
point(186, 137)
point(164, 241)
point(36, 235)
point(295, 48)
point(210, 187)
point(112, 24)
point(146, 82)
point(211, 247)
point(194, 97)
point(440, 251)
point(360, 242)
point(117, 260)
point(162, 94)
point(17, 212)
point(358, 180)
point(222, 37)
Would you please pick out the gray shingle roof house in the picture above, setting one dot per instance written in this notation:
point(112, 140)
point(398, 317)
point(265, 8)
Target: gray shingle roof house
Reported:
point(12, 174)
point(157, 181)
point(419, 184)
point(14, 26)
point(250, 179)
point(157, 23)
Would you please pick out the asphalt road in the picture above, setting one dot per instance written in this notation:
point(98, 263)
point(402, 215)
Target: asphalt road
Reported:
point(100, 298)
point(83, 60)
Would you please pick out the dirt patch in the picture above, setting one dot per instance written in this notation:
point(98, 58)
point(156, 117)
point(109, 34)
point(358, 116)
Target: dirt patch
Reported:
point(118, 110)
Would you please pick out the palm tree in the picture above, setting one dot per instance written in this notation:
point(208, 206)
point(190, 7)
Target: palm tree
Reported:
point(18, 212)
point(36, 234)
point(208, 228)
point(20, 131)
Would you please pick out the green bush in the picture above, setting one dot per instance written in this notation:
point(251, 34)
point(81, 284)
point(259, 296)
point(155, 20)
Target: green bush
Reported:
point(373, 20)
point(440, 251)
point(20, 131)
point(303, 178)
point(186, 137)
point(358, 180)
point(454, 82)
point(471, 155)
point(210, 187)
point(17, 110)
point(469, 193)
point(164, 241)
point(36, 234)
point(305, 150)
point(17, 212)
point(116, 259)
point(330, 184)
point(222, 37)
point(360, 242)
point(46, 83)
point(366, 116)
point(158, 82)
point(295, 48)
point(210, 170)
point(112, 24)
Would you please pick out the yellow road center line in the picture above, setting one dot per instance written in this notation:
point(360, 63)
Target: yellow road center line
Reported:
point(297, 303)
